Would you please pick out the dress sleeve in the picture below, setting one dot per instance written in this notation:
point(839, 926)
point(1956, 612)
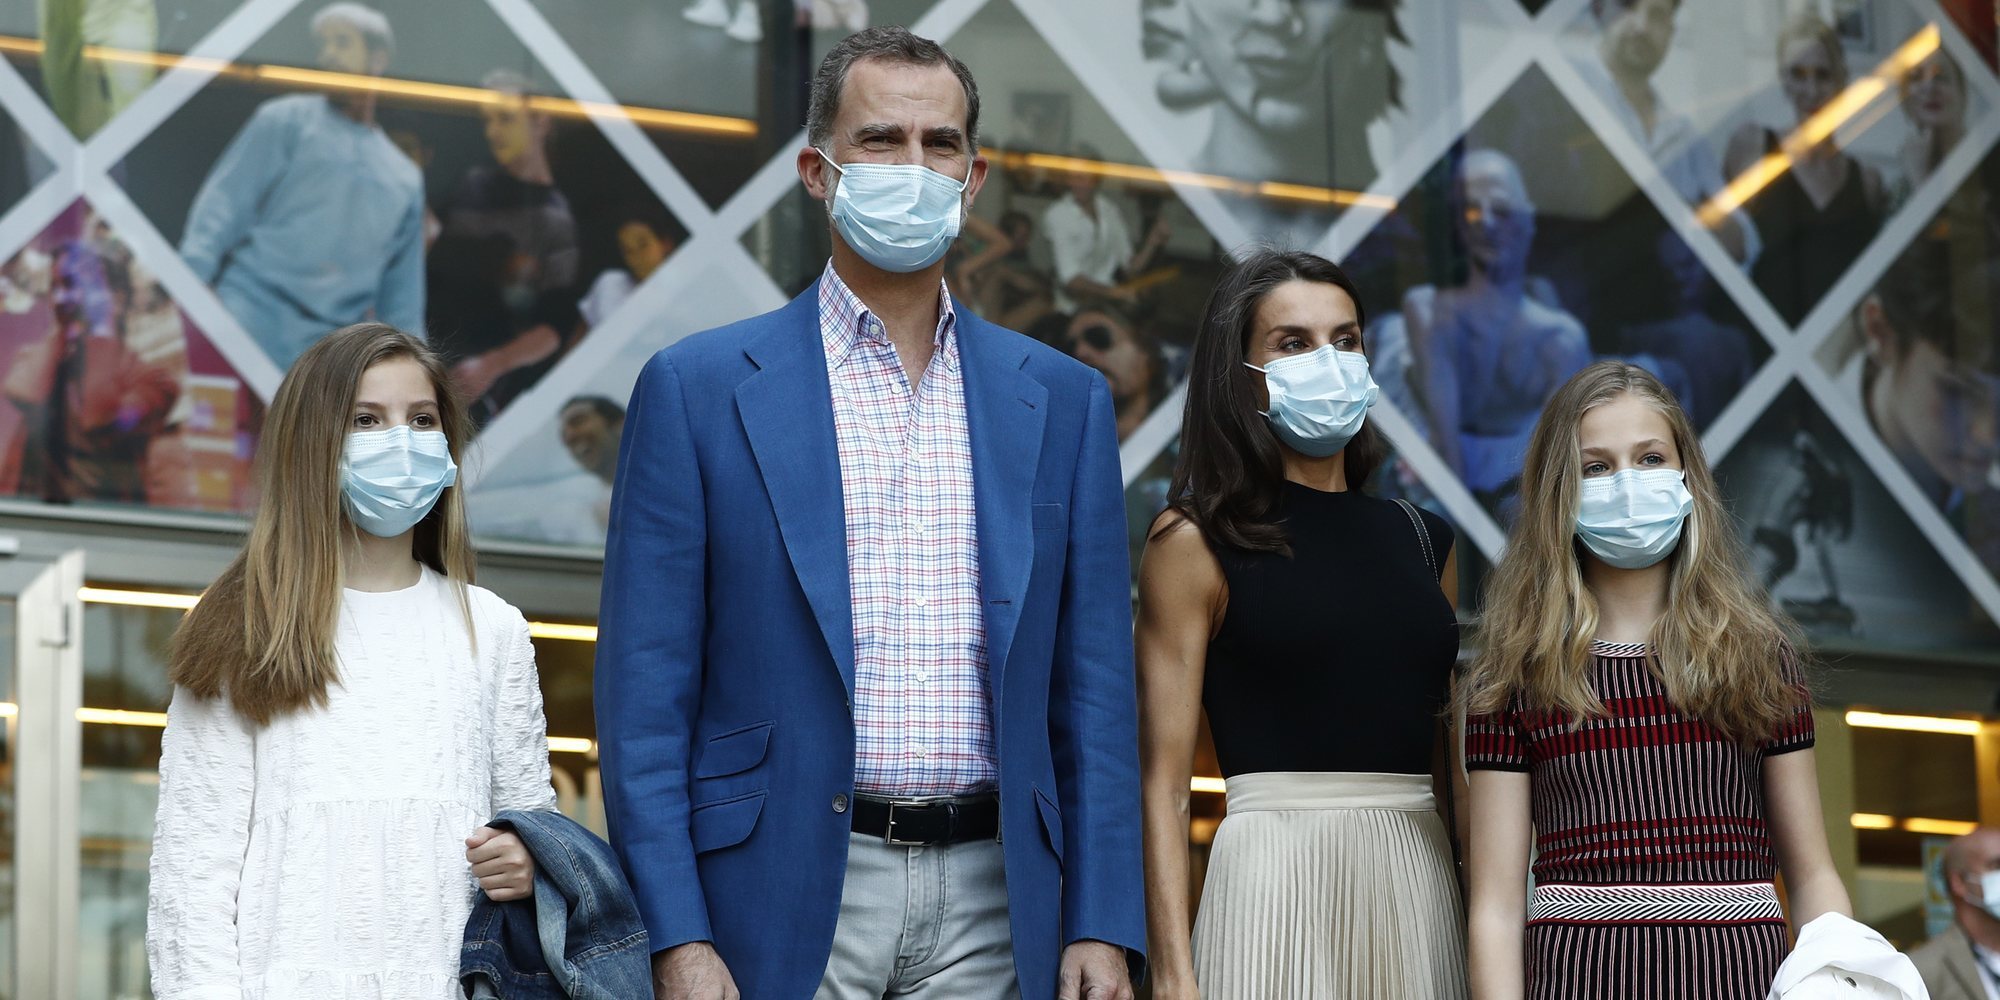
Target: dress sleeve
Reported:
point(1796, 732)
point(1497, 741)
point(520, 731)
point(208, 778)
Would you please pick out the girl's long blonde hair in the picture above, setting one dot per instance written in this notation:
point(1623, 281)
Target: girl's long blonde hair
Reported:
point(262, 635)
point(1718, 647)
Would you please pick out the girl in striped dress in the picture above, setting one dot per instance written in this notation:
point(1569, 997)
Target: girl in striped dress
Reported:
point(1635, 707)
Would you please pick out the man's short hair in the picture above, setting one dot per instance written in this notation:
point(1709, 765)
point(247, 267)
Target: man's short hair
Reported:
point(600, 405)
point(374, 27)
point(890, 44)
point(1607, 8)
point(508, 81)
point(1927, 297)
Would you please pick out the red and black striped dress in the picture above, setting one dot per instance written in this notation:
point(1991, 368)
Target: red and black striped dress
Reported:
point(1653, 864)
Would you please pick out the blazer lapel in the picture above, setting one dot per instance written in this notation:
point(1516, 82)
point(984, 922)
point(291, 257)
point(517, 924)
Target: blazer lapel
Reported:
point(1005, 409)
point(787, 411)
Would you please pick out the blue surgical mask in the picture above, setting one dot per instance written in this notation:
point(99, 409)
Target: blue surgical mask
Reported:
point(1318, 399)
point(1631, 520)
point(390, 479)
point(900, 217)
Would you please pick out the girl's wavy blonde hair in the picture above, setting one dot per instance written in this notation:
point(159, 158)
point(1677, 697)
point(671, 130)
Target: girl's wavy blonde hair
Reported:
point(1719, 647)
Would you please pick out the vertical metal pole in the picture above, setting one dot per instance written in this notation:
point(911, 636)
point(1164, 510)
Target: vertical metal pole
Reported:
point(48, 775)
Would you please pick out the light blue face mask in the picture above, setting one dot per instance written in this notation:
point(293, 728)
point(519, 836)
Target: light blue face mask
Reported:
point(900, 217)
point(390, 479)
point(1631, 520)
point(1318, 399)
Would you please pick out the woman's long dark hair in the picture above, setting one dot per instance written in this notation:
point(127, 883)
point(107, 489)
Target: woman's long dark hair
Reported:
point(1230, 469)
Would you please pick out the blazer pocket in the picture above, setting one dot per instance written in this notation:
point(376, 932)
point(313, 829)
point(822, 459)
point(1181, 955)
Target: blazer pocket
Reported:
point(725, 823)
point(1052, 825)
point(1050, 515)
point(733, 752)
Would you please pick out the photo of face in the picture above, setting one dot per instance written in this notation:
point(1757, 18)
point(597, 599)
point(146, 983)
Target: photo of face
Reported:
point(1266, 57)
point(590, 432)
point(1934, 93)
point(1637, 34)
point(1810, 74)
point(1496, 220)
point(344, 49)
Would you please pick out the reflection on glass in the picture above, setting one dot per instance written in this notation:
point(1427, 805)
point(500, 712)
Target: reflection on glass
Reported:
point(1818, 215)
point(125, 667)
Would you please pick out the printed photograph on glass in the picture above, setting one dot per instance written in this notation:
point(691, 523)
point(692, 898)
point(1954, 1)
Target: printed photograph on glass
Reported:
point(421, 172)
point(1291, 112)
point(90, 59)
point(1919, 361)
point(718, 85)
point(1795, 131)
point(1830, 545)
point(108, 393)
point(1523, 255)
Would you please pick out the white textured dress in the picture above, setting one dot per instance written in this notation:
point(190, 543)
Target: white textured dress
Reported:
point(323, 855)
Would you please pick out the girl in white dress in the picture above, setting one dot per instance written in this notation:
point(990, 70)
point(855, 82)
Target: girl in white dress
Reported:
point(348, 709)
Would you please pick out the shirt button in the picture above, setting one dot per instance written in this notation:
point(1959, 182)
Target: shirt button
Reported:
point(922, 676)
point(923, 602)
point(840, 803)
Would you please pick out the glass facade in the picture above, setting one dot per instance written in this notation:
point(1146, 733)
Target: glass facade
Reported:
point(1788, 211)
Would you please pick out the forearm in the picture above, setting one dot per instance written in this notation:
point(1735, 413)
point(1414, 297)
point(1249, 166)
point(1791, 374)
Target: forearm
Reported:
point(1494, 963)
point(1816, 896)
point(532, 346)
point(1169, 923)
point(1087, 288)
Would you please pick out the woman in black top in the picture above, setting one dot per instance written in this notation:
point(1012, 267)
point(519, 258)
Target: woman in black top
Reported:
point(1818, 215)
point(1309, 621)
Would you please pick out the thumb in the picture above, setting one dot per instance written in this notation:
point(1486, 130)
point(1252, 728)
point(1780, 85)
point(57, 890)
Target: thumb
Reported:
point(481, 836)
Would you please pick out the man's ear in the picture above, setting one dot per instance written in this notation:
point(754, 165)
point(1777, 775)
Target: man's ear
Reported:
point(1877, 336)
point(818, 176)
point(975, 180)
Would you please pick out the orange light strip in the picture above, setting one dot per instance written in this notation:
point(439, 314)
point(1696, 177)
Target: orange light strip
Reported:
point(1850, 102)
point(1862, 719)
point(158, 720)
point(182, 602)
point(1272, 190)
point(444, 93)
point(1914, 824)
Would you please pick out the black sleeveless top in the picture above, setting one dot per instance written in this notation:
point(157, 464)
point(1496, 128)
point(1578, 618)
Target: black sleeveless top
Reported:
point(1807, 248)
point(1338, 657)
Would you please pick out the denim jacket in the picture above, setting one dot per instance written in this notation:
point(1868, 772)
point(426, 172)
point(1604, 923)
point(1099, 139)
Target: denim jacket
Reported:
point(579, 938)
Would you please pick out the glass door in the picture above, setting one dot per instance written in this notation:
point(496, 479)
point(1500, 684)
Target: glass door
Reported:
point(41, 688)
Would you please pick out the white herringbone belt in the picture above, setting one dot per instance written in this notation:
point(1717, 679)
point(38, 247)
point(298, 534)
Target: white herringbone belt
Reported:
point(1728, 903)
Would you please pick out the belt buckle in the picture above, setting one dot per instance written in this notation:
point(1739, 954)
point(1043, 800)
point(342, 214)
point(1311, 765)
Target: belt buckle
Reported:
point(889, 835)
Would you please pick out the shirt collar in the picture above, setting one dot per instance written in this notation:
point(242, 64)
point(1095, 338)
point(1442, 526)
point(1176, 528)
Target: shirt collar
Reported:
point(845, 321)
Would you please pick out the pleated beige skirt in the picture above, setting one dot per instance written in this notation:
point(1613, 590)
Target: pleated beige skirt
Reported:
point(1330, 886)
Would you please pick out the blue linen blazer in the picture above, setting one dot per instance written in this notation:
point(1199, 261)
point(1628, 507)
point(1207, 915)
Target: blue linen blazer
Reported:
point(725, 663)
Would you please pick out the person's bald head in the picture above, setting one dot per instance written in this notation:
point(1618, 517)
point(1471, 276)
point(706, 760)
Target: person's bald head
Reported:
point(1967, 861)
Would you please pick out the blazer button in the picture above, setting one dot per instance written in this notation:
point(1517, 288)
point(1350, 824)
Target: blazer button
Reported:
point(840, 803)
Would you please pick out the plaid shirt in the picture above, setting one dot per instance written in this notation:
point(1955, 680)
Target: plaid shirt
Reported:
point(922, 713)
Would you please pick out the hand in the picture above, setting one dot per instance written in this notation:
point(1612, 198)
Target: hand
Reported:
point(1161, 232)
point(1177, 990)
point(1093, 970)
point(501, 863)
point(692, 971)
point(475, 375)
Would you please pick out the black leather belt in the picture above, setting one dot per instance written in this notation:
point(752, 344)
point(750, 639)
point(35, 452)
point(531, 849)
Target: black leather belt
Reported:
point(925, 822)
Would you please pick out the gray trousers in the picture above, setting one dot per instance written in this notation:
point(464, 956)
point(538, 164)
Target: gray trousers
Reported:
point(922, 922)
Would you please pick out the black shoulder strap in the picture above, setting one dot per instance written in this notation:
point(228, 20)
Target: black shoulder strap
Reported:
point(1423, 534)
point(1450, 732)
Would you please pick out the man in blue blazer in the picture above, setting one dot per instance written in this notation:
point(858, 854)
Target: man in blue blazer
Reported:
point(864, 681)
